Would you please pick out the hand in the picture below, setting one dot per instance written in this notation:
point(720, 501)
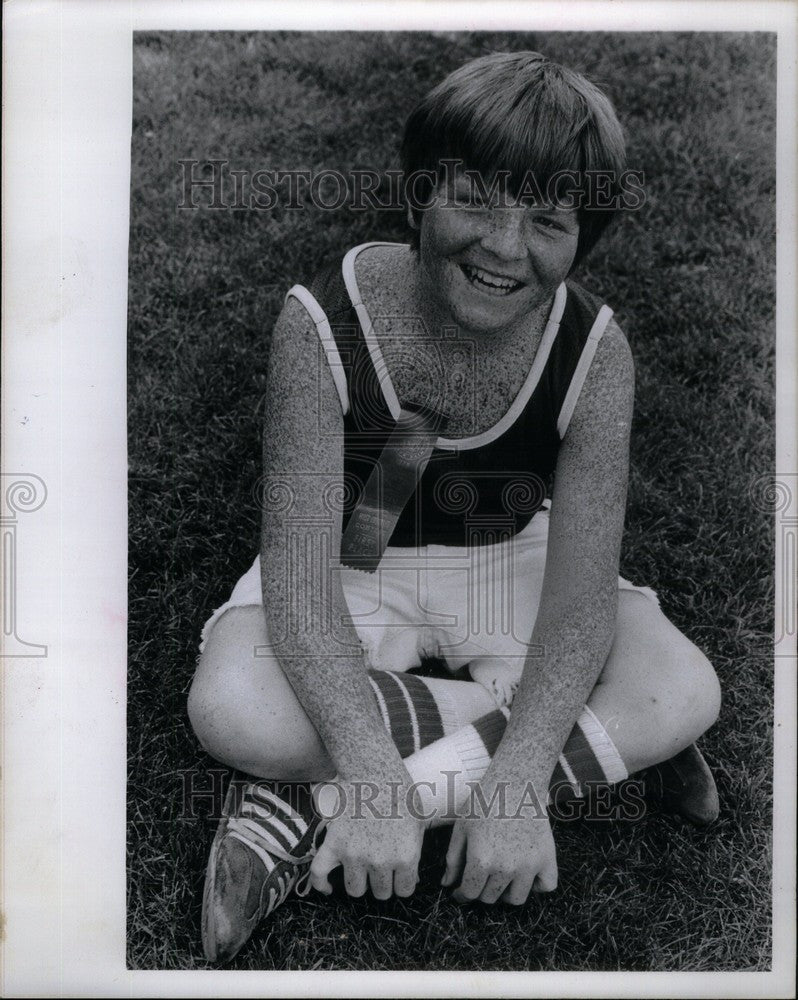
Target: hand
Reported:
point(376, 838)
point(505, 857)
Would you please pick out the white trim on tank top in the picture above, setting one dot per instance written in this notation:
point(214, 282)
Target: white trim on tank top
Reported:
point(389, 393)
point(603, 317)
point(319, 317)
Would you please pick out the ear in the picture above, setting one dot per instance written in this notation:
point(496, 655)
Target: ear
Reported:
point(411, 219)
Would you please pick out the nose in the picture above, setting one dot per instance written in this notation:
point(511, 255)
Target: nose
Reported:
point(504, 235)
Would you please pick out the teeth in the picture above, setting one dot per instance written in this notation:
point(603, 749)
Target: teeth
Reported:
point(491, 280)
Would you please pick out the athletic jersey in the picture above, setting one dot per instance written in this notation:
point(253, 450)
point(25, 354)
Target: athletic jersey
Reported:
point(476, 490)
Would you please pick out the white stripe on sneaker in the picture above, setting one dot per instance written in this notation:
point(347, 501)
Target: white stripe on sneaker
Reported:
point(250, 832)
point(268, 817)
point(261, 835)
point(276, 805)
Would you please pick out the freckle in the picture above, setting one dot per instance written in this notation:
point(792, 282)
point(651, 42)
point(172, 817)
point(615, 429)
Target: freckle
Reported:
point(653, 701)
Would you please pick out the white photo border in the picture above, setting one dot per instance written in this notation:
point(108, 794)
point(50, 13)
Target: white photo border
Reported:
point(66, 190)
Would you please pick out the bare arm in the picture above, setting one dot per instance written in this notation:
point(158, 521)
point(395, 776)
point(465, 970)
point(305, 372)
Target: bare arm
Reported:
point(579, 601)
point(574, 628)
point(304, 600)
point(306, 610)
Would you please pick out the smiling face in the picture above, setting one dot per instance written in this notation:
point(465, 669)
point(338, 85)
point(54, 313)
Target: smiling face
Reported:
point(489, 267)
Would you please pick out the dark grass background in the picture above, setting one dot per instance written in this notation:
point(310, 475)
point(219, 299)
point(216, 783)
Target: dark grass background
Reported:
point(691, 277)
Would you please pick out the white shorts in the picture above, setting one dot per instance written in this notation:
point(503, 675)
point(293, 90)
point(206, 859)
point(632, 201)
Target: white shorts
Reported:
point(440, 600)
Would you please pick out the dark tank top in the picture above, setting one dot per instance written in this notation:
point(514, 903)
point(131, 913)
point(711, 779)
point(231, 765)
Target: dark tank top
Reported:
point(467, 495)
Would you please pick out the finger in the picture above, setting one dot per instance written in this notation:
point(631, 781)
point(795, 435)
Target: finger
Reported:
point(355, 879)
point(547, 878)
point(494, 887)
point(454, 855)
point(517, 893)
point(322, 865)
point(475, 875)
point(381, 882)
point(405, 881)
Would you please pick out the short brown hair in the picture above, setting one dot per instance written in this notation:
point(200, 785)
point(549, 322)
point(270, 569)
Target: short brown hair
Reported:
point(519, 112)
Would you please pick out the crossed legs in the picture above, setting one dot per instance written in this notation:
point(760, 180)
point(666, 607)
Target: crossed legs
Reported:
point(656, 695)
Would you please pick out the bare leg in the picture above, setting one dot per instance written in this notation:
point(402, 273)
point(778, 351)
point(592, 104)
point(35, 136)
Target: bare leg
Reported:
point(656, 694)
point(245, 713)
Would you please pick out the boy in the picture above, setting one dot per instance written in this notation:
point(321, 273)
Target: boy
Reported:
point(406, 517)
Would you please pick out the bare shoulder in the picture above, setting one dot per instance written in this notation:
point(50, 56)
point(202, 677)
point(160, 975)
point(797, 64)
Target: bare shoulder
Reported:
point(594, 457)
point(613, 360)
point(382, 277)
point(608, 393)
point(303, 415)
point(590, 485)
point(294, 331)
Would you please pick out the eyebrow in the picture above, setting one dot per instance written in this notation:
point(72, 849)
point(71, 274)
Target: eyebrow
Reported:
point(555, 213)
point(463, 180)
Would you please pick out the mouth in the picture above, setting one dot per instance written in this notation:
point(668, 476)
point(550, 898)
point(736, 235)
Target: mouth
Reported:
point(488, 282)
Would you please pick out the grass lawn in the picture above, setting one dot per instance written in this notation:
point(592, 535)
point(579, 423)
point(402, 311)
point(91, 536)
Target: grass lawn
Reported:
point(691, 277)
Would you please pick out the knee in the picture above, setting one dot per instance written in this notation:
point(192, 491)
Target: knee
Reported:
point(695, 693)
point(213, 709)
point(233, 723)
point(242, 708)
point(204, 705)
point(231, 689)
point(706, 691)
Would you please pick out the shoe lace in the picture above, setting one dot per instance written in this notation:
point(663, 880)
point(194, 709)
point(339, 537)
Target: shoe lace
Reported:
point(303, 885)
point(251, 834)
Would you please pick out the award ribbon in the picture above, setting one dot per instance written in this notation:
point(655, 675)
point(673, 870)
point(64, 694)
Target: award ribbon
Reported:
point(390, 485)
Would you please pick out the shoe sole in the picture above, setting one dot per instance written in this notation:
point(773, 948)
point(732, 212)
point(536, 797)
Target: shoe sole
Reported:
point(208, 925)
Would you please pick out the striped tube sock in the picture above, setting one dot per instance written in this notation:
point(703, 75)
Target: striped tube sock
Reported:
point(444, 768)
point(415, 716)
point(589, 756)
point(412, 712)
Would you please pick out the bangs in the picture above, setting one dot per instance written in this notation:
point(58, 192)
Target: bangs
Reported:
point(542, 133)
point(527, 119)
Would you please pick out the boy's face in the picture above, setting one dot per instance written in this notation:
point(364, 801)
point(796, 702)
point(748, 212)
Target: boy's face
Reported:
point(490, 265)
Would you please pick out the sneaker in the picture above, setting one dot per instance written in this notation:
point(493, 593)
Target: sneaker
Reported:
point(684, 785)
point(263, 847)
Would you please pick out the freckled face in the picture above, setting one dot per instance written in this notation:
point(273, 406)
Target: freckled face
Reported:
point(489, 267)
